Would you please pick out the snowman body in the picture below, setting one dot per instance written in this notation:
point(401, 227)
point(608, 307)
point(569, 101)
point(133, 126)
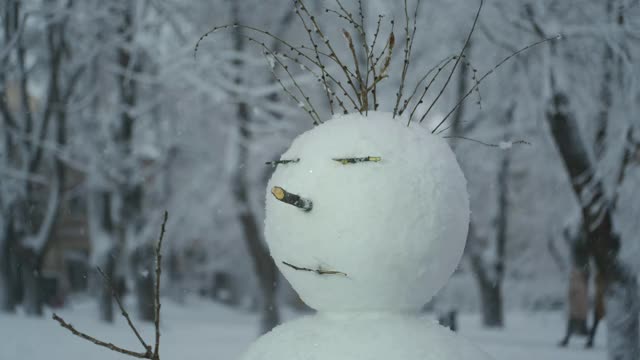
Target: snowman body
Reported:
point(367, 219)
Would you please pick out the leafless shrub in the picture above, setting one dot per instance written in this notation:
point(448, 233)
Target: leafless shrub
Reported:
point(150, 352)
point(358, 91)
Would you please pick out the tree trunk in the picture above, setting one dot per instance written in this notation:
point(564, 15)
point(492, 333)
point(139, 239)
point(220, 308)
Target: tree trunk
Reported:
point(32, 280)
point(490, 275)
point(264, 267)
point(105, 298)
point(130, 219)
point(622, 307)
point(8, 270)
point(108, 263)
point(490, 289)
point(143, 265)
point(490, 294)
point(492, 309)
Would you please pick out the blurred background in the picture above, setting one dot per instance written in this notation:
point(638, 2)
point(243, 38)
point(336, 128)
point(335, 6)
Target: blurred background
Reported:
point(107, 119)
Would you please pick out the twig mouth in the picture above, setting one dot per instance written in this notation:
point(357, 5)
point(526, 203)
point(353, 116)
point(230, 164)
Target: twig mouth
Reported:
point(292, 199)
point(355, 160)
point(319, 270)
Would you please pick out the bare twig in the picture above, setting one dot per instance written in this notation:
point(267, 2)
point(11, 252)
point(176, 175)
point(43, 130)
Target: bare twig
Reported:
point(319, 270)
point(123, 312)
point(327, 42)
point(323, 70)
point(360, 85)
point(150, 353)
point(278, 162)
point(440, 67)
point(362, 92)
point(455, 65)
point(309, 106)
point(504, 145)
point(371, 67)
point(292, 48)
point(470, 91)
point(109, 346)
point(409, 37)
point(157, 305)
point(365, 46)
point(345, 161)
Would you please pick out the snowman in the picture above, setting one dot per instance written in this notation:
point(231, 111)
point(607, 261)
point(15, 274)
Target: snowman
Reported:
point(367, 219)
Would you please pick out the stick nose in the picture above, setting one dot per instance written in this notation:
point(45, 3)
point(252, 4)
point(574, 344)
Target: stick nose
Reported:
point(292, 199)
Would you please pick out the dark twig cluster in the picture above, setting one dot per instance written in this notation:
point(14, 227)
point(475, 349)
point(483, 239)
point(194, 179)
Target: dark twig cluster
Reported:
point(150, 352)
point(355, 87)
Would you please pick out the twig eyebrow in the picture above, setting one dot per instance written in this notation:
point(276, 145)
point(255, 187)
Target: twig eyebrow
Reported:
point(282, 162)
point(355, 160)
point(319, 270)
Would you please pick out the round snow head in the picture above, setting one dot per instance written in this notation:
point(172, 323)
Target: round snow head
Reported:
point(367, 214)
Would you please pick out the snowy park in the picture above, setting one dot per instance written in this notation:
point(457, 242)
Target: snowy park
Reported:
point(201, 330)
point(319, 179)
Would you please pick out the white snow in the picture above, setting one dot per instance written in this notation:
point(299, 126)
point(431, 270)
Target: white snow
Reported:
point(200, 329)
point(396, 227)
point(350, 336)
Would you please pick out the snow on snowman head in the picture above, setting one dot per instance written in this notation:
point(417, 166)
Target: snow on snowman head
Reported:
point(366, 211)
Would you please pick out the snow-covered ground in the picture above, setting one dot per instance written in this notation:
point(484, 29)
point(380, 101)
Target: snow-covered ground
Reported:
point(204, 330)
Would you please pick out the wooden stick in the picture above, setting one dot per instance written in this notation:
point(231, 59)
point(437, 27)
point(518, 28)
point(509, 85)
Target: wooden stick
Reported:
point(470, 91)
point(124, 313)
point(318, 271)
point(283, 162)
point(156, 303)
point(107, 345)
point(345, 161)
point(513, 142)
point(152, 354)
point(292, 199)
point(455, 65)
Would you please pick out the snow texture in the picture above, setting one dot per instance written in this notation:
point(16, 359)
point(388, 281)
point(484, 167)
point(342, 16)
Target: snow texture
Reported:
point(201, 329)
point(396, 228)
point(350, 336)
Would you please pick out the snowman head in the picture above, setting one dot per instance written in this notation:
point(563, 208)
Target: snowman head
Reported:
point(367, 214)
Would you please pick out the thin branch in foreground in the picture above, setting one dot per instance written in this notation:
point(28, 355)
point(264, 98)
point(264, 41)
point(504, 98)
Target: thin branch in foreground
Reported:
point(296, 50)
point(333, 54)
point(109, 346)
point(321, 66)
point(470, 91)
point(123, 312)
point(455, 65)
point(409, 39)
point(308, 107)
point(150, 353)
point(502, 145)
point(157, 305)
point(440, 67)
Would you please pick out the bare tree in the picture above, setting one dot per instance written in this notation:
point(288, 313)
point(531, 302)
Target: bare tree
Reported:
point(264, 267)
point(597, 207)
point(34, 132)
point(151, 352)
